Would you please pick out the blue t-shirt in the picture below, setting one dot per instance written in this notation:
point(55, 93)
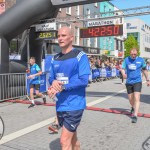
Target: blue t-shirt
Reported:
point(73, 70)
point(34, 69)
point(133, 69)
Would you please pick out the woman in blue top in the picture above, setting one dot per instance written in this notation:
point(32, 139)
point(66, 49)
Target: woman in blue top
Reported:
point(133, 66)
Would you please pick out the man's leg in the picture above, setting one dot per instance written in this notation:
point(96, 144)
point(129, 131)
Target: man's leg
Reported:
point(66, 139)
point(32, 96)
point(37, 88)
point(75, 142)
point(131, 99)
point(31, 92)
point(136, 102)
point(130, 94)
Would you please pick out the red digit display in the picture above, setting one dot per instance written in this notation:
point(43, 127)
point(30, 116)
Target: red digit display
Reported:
point(101, 31)
point(90, 32)
point(97, 30)
point(109, 30)
point(116, 30)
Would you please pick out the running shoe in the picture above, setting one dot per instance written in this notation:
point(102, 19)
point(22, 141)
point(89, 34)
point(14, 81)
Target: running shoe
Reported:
point(32, 105)
point(54, 128)
point(134, 119)
point(44, 99)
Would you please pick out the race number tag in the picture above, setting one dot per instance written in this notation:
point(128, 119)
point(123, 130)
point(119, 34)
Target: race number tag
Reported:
point(64, 80)
point(132, 67)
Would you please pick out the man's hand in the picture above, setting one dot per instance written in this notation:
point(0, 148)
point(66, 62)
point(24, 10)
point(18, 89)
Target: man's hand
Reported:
point(52, 92)
point(31, 76)
point(148, 83)
point(57, 85)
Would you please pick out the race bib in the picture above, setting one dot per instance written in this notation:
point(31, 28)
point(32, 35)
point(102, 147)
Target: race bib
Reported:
point(132, 67)
point(64, 80)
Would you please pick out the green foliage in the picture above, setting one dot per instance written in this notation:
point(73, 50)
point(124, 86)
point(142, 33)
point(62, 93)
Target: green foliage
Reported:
point(130, 43)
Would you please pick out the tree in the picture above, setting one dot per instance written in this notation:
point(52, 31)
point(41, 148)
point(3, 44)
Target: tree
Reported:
point(130, 43)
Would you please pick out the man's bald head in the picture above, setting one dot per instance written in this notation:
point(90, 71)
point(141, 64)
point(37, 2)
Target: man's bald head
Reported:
point(66, 29)
point(65, 38)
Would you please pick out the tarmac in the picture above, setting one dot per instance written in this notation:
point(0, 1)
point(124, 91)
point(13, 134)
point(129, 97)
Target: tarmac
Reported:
point(27, 129)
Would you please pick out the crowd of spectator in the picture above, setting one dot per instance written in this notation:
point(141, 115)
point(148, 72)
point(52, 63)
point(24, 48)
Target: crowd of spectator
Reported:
point(96, 62)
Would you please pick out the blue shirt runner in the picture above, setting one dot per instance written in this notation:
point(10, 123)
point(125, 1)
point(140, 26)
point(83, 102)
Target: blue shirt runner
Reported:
point(73, 70)
point(133, 69)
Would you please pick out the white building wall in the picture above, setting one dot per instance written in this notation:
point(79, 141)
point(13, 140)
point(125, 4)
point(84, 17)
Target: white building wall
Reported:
point(137, 25)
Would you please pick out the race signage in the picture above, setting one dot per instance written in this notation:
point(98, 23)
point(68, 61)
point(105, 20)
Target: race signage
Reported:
point(100, 22)
point(45, 27)
point(46, 35)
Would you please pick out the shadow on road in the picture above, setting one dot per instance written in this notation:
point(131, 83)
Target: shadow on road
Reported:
point(55, 145)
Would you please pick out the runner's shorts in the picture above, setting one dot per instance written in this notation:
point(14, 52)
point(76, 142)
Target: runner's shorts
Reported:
point(136, 87)
point(35, 86)
point(70, 119)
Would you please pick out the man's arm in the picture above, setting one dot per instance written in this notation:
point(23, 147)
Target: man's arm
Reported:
point(82, 81)
point(122, 70)
point(83, 75)
point(144, 70)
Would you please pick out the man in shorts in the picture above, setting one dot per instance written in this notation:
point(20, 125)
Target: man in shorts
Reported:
point(69, 76)
point(133, 66)
point(34, 82)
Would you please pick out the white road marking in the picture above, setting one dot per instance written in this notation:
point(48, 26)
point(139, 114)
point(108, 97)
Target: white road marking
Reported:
point(41, 124)
point(27, 130)
point(105, 98)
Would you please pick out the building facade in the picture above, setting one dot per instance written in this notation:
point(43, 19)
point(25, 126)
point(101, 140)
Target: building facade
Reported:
point(106, 43)
point(141, 31)
point(87, 11)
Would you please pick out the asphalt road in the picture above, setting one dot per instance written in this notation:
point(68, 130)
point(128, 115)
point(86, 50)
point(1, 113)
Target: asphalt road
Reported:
point(27, 129)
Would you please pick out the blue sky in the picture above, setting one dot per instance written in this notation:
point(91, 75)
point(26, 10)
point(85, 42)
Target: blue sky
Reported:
point(124, 4)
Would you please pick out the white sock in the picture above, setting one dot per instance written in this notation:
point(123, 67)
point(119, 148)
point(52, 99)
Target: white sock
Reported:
point(32, 101)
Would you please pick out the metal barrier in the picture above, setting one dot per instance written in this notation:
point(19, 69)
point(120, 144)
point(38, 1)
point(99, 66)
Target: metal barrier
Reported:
point(12, 85)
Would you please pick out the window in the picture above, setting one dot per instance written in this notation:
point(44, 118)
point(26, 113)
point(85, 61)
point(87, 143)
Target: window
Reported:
point(147, 49)
point(77, 9)
point(88, 43)
point(104, 8)
point(58, 26)
point(68, 10)
point(77, 35)
point(96, 4)
point(117, 45)
point(95, 42)
point(88, 13)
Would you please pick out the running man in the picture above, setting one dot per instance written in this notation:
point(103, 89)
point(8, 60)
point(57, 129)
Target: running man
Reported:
point(69, 76)
point(34, 83)
point(133, 66)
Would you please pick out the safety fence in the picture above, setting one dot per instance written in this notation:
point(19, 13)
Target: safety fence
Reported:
point(12, 85)
point(101, 74)
point(16, 85)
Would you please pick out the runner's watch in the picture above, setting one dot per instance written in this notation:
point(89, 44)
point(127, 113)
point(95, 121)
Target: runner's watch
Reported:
point(63, 87)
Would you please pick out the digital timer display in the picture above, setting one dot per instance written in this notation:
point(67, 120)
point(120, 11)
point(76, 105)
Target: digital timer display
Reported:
point(46, 35)
point(101, 31)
